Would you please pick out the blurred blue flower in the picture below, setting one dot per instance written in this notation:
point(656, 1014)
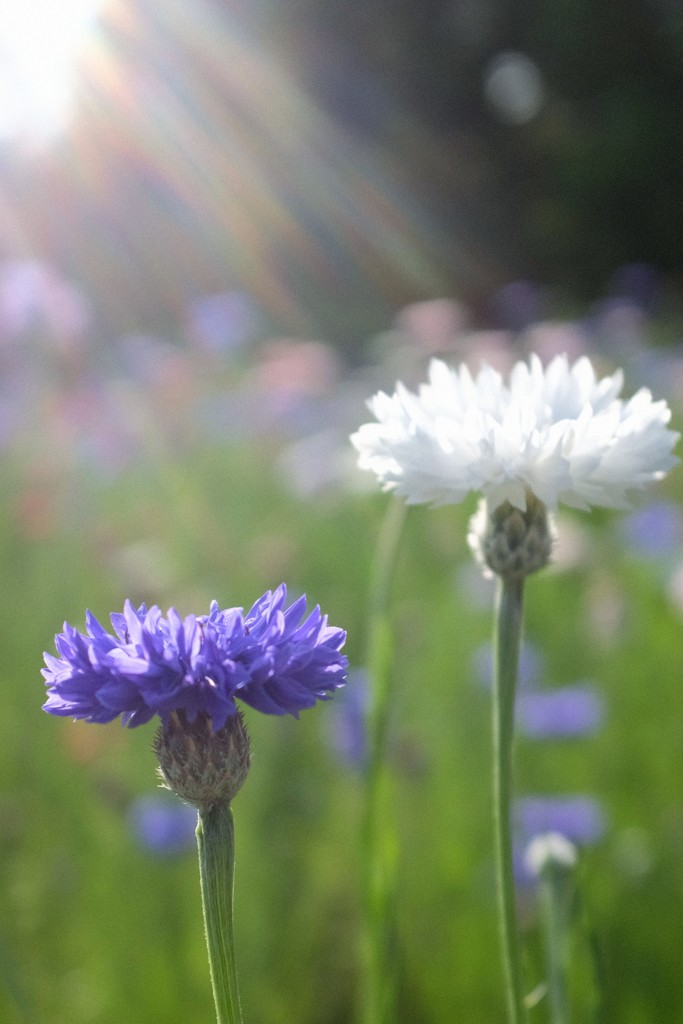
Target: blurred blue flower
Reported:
point(223, 322)
point(517, 305)
point(568, 711)
point(653, 531)
point(347, 721)
point(639, 282)
point(580, 819)
point(156, 665)
point(530, 665)
point(162, 827)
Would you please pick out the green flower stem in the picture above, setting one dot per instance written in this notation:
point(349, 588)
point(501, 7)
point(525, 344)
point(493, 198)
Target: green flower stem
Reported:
point(556, 896)
point(507, 641)
point(379, 846)
point(216, 846)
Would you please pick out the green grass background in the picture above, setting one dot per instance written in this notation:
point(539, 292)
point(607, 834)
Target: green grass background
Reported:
point(96, 930)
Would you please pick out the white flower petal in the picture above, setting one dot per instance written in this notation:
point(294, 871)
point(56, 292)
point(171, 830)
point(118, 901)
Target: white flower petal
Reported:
point(558, 432)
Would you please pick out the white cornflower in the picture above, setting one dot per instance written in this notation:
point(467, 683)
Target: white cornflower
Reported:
point(550, 850)
point(559, 433)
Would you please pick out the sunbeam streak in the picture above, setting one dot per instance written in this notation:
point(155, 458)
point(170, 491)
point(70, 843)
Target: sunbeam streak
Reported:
point(39, 46)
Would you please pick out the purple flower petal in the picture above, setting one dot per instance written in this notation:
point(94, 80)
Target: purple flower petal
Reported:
point(155, 665)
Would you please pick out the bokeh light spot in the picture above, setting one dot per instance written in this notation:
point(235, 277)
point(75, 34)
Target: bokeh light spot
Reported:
point(39, 46)
point(514, 87)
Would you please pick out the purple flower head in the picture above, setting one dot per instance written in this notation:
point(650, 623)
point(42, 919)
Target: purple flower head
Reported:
point(565, 712)
point(155, 665)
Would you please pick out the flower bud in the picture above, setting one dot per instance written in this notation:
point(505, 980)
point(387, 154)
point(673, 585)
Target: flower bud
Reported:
point(201, 766)
point(550, 852)
point(510, 542)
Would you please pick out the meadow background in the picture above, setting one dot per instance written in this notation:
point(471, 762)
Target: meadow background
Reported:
point(244, 230)
point(134, 484)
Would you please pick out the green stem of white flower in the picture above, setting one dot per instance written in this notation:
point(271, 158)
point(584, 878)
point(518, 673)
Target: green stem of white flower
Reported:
point(378, 855)
point(555, 895)
point(507, 642)
point(216, 847)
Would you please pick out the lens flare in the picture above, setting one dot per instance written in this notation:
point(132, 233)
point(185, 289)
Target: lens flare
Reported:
point(39, 46)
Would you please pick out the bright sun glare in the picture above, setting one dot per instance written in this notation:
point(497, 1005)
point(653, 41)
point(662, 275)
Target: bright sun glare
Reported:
point(39, 45)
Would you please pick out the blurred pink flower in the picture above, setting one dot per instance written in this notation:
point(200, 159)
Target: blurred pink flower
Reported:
point(553, 338)
point(291, 366)
point(435, 324)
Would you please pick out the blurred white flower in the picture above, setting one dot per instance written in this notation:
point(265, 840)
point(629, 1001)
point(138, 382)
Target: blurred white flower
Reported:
point(557, 432)
point(550, 849)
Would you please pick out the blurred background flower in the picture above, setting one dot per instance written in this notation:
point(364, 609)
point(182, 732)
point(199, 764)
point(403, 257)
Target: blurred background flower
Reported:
point(564, 712)
point(530, 665)
point(347, 726)
point(580, 818)
point(164, 827)
point(654, 531)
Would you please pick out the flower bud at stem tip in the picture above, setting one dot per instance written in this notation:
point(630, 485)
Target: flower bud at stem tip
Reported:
point(512, 543)
point(201, 766)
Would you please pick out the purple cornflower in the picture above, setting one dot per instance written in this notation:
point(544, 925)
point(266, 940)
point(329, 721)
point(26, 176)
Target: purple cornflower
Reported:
point(562, 713)
point(157, 665)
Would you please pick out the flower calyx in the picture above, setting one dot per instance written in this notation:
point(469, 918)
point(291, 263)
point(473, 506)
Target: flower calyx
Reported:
point(201, 766)
point(510, 542)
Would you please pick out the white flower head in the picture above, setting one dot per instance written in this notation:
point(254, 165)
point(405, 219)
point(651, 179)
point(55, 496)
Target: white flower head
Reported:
point(550, 850)
point(559, 433)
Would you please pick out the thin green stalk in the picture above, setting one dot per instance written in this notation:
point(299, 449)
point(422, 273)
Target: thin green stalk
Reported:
point(554, 899)
point(378, 829)
point(216, 847)
point(507, 641)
